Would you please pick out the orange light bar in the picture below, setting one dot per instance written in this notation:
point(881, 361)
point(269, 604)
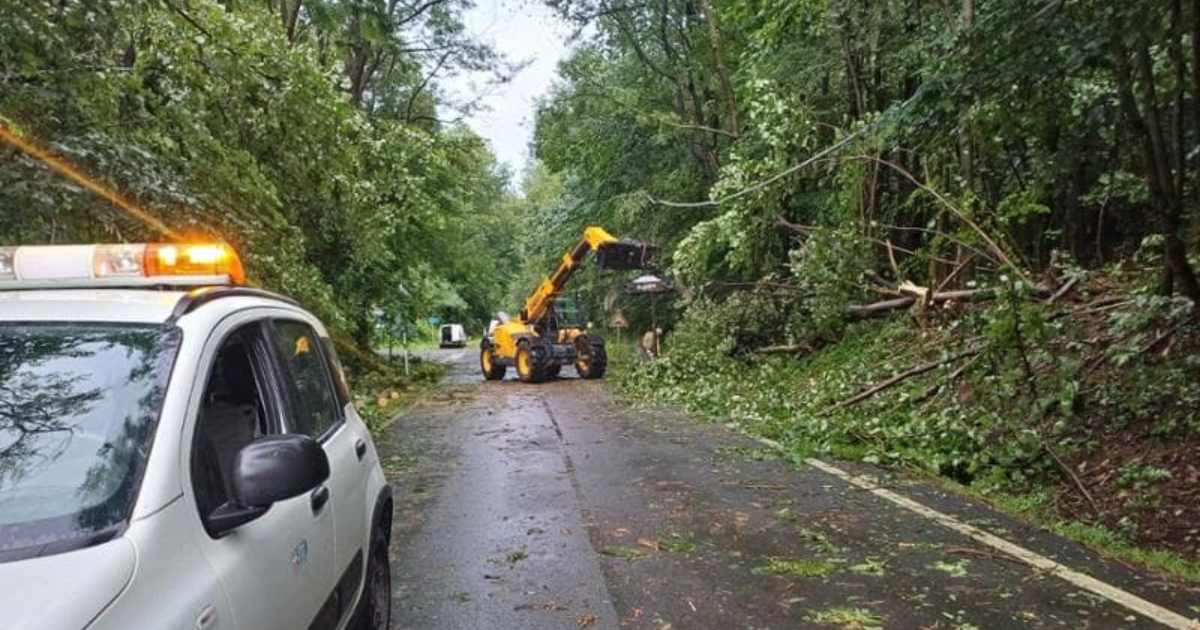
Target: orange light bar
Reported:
point(135, 264)
point(209, 259)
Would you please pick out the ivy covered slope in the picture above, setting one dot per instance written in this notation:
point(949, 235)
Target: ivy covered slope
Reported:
point(304, 132)
point(959, 236)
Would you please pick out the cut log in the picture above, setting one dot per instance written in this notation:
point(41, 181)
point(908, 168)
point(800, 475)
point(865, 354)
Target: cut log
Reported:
point(864, 311)
point(913, 289)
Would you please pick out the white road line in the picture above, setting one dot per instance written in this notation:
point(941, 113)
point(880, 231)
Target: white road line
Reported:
point(1129, 600)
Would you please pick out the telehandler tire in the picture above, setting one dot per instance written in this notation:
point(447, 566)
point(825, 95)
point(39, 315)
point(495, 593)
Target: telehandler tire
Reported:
point(491, 368)
point(529, 369)
point(591, 360)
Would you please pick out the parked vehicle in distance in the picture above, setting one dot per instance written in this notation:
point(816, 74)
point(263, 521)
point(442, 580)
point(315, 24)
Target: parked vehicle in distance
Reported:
point(180, 451)
point(452, 336)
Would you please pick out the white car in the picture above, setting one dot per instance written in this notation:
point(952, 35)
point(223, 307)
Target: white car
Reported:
point(178, 452)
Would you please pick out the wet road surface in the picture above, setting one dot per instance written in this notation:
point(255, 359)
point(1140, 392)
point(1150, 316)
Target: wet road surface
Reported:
point(556, 506)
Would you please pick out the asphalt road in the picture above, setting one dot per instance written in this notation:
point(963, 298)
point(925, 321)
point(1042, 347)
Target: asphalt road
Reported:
point(556, 506)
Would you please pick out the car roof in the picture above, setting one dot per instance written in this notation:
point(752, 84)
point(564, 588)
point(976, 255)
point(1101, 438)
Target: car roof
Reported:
point(143, 306)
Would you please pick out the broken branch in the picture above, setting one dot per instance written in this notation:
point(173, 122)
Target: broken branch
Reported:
point(785, 349)
point(899, 378)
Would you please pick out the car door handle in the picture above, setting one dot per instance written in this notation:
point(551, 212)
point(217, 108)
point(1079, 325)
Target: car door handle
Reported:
point(319, 498)
point(360, 448)
point(207, 618)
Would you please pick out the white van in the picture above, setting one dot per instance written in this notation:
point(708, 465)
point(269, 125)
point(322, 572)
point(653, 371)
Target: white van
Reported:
point(452, 336)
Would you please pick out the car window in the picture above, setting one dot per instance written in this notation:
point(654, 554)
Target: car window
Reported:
point(314, 407)
point(78, 408)
point(341, 386)
point(234, 411)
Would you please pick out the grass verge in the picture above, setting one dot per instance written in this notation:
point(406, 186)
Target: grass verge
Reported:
point(379, 395)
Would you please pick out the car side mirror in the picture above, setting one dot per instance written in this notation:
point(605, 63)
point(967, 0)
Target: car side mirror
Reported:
point(278, 467)
point(270, 469)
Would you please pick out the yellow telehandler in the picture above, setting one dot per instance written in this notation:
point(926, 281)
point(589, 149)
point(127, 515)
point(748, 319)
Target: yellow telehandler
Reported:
point(544, 337)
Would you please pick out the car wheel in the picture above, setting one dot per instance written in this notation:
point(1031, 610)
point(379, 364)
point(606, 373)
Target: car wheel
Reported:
point(375, 606)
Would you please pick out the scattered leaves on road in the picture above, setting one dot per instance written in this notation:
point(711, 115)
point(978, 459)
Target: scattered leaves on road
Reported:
point(848, 618)
point(954, 569)
point(676, 543)
point(796, 567)
point(871, 566)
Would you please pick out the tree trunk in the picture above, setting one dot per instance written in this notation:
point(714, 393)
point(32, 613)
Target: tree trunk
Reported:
point(1178, 273)
point(1182, 277)
point(290, 17)
point(714, 33)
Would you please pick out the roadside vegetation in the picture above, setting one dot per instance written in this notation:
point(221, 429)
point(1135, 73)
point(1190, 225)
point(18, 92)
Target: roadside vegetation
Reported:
point(956, 237)
point(311, 135)
point(382, 393)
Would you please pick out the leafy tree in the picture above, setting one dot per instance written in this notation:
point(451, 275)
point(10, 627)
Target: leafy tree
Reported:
point(303, 132)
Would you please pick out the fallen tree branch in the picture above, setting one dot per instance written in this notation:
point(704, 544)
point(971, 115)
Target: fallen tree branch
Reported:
point(1075, 478)
point(864, 311)
point(954, 274)
point(933, 391)
point(1154, 343)
point(1063, 290)
point(899, 378)
point(785, 349)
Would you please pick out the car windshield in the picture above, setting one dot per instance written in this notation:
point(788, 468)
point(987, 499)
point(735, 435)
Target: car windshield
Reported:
point(78, 407)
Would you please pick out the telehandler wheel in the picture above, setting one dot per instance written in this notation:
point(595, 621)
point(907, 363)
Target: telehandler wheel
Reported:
point(552, 371)
point(591, 360)
point(527, 365)
point(492, 369)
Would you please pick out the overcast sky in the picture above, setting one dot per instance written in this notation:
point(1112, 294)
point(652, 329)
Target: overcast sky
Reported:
point(521, 30)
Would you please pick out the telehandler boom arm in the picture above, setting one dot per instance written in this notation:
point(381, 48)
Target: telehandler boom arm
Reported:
point(611, 254)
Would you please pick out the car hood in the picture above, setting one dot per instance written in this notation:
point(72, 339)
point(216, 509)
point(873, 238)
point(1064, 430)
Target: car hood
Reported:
point(65, 591)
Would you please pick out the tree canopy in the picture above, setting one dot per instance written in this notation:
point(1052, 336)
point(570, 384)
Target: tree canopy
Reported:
point(304, 132)
point(981, 135)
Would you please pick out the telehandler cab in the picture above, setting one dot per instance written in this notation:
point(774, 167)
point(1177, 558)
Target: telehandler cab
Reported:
point(539, 341)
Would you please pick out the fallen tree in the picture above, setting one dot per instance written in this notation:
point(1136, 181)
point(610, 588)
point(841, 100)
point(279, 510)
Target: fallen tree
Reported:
point(876, 309)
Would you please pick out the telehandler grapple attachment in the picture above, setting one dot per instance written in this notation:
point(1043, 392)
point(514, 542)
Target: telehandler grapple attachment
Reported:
point(625, 255)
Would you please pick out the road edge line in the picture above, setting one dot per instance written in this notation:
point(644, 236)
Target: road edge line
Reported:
point(1148, 609)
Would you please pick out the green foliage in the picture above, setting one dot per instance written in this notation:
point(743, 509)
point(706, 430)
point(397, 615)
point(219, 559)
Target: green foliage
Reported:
point(1140, 476)
point(830, 266)
point(379, 395)
point(220, 121)
point(1019, 120)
